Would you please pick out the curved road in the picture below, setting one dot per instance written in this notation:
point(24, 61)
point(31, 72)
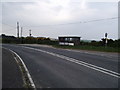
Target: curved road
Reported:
point(59, 68)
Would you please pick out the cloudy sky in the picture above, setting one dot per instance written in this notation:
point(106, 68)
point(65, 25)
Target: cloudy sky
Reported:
point(53, 18)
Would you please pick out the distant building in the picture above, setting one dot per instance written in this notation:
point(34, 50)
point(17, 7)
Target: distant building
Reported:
point(69, 40)
point(53, 39)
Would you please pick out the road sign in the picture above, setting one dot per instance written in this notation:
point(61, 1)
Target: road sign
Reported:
point(106, 35)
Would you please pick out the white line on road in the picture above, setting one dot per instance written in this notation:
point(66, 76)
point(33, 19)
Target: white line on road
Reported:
point(94, 67)
point(27, 72)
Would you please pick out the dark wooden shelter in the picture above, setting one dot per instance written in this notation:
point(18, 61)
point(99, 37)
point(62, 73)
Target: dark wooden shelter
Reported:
point(69, 40)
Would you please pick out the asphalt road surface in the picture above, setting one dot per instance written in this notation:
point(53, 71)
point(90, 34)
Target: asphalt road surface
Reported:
point(11, 74)
point(59, 68)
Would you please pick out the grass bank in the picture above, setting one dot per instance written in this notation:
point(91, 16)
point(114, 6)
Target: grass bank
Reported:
point(91, 48)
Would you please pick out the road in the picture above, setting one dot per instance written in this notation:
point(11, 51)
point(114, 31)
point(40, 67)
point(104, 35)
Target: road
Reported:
point(58, 68)
point(11, 74)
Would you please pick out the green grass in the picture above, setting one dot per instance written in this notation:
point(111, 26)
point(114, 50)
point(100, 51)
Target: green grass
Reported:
point(91, 48)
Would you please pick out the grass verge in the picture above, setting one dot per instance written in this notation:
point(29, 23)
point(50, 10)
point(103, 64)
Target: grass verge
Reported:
point(91, 48)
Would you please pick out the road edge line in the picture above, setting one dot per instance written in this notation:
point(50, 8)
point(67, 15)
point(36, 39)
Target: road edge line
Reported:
point(31, 83)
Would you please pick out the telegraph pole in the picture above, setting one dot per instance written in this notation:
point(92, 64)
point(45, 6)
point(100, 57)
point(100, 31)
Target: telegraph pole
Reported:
point(18, 29)
point(21, 32)
point(21, 35)
point(30, 33)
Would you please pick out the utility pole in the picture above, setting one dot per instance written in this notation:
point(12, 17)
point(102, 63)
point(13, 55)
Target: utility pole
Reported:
point(18, 29)
point(30, 33)
point(21, 31)
point(21, 35)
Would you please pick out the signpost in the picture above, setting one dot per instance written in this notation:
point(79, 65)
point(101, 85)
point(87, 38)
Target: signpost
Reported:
point(106, 41)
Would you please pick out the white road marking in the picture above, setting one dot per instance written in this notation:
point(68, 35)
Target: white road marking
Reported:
point(94, 67)
point(28, 74)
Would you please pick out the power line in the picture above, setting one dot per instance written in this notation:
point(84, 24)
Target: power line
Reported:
point(80, 22)
point(9, 30)
point(103, 19)
point(8, 25)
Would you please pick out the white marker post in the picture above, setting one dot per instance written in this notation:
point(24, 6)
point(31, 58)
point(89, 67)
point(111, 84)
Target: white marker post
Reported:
point(106, 41)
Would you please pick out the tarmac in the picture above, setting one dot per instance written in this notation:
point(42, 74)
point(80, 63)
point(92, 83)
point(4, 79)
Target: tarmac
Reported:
point(11, 74)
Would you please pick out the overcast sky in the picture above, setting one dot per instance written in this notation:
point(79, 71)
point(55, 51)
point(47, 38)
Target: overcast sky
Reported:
point(44, 18)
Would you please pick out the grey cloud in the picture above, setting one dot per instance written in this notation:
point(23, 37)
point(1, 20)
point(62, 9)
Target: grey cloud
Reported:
point(44, 14)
